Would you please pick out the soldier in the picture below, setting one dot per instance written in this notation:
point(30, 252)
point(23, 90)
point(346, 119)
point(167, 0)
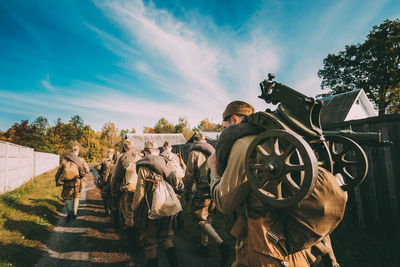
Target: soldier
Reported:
point(176, 160)
point(70, 175)
point(123, 186)
point(105, 169)
point(196, 182)
point(229, 189)
point(153, 231)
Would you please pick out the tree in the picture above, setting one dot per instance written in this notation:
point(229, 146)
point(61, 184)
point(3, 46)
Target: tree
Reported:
point(183, 127)
point(42, 124)
point(110, 134)
point(207, 126)
point(373, 66)
point(148, 129)
point(164, 126)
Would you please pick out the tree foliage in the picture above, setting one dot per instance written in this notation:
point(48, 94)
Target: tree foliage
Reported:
point(373, 66)
point(43, 137)
point(164, 126)
point(207, 126)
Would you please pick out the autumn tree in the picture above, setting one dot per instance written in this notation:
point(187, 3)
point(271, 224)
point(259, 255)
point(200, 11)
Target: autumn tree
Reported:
point(373, 65)
point(207, 126)
point(164, 126)
point(183, 127)
point(110, 134)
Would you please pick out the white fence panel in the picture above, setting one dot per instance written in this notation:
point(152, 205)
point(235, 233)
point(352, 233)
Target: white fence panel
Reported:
point(18, 164)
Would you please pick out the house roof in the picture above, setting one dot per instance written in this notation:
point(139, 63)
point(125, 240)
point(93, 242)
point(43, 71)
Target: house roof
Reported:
point(159, 139)
point(336, 107)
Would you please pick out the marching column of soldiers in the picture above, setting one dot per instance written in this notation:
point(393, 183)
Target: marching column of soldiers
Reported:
point(136, 190)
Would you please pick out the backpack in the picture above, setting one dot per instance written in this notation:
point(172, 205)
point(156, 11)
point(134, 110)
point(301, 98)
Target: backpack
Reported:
point(203, 175)
point(164, 203)
point(316, 216)
point(70, 171)
point(130, 178)
point(179, 173)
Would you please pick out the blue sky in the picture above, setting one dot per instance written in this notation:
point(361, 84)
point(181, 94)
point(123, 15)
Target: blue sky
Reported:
point(132, 62)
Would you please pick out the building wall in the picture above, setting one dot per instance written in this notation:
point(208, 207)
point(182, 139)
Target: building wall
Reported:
point(18, 164)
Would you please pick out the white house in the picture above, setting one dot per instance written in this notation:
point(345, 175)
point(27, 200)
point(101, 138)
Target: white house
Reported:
point(352, 105)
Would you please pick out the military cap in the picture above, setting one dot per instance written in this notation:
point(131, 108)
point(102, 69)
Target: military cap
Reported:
point(150, 145)
point(167, 144)
point(238, 108)
point(199, 136)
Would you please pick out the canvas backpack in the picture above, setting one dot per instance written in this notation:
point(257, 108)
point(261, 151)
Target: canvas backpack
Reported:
point(203, 175)
point(130, 178)
point(164, 202)
point(70, 171)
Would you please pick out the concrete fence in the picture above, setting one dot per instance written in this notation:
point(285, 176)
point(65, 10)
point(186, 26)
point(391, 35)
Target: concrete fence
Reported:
point(18, 164)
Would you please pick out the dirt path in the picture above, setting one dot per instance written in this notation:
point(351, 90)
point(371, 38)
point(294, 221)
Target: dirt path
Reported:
point(90, 240)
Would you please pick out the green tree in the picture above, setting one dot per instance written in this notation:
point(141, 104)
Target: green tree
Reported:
point(373, 65)
point(164, 126)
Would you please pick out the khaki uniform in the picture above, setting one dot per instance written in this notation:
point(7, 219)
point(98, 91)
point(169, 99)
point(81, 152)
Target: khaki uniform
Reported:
point(104, 180)
point(121, 197)
point(202, 205)
point(155, 231)
point(114, 193)
point(72, 188)
point(253, 248)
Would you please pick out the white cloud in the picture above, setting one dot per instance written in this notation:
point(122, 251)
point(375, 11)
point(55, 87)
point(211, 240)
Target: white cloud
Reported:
point(208, 73)
point(47, 84)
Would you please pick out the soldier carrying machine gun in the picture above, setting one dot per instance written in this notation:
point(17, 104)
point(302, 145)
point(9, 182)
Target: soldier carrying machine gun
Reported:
point(297, 128)
point(297, 175)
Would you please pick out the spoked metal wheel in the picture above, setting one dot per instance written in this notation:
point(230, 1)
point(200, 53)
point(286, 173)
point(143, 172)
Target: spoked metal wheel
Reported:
point(349, 159)
point(281, 168)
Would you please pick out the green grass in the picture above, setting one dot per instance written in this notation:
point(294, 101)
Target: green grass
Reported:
point(26, 217)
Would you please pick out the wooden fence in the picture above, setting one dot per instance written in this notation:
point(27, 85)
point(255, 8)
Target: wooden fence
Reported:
point(375, 204)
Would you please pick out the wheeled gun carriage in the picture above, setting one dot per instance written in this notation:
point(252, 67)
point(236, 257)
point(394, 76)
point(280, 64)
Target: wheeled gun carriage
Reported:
point(282, 162)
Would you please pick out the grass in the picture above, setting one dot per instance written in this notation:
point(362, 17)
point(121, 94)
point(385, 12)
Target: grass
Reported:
point(27, 215)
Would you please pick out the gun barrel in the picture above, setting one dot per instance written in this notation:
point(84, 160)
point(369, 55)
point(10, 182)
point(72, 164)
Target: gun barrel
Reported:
point(362, 138)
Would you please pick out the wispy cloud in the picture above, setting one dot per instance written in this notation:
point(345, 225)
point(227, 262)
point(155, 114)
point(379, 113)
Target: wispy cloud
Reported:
point(47, 84)
point(207, 73)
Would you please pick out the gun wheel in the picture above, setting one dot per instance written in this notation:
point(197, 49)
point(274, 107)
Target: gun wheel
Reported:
point(349, 159)
point(281, 168)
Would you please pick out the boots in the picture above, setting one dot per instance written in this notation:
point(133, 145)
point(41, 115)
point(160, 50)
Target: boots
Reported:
point(171, 256)
point(152, 263)
point(70, 216)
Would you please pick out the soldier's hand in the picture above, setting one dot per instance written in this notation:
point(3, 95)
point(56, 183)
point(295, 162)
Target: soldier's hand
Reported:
point(212, 162)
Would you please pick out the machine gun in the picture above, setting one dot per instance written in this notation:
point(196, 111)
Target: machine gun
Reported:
point(282, 162)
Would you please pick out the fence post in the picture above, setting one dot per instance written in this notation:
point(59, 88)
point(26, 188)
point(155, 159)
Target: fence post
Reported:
point(6, 175)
